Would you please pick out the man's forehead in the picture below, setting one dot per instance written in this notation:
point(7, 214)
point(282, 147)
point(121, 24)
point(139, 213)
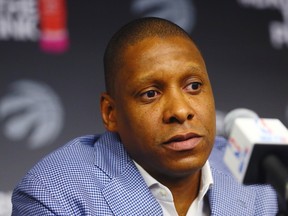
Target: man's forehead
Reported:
point(156, 45)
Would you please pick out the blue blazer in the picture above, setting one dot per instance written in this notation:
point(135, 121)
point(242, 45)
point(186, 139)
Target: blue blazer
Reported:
point(94, 175)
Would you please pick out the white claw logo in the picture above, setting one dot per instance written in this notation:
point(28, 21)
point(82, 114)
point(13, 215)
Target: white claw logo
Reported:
point(278, 29)
point(181, 12)
point(31, 110)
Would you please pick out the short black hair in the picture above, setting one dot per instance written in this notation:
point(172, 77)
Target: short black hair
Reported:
point(130, 34)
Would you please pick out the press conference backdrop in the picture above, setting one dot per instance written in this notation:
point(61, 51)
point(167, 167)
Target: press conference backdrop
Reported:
point(51, 71)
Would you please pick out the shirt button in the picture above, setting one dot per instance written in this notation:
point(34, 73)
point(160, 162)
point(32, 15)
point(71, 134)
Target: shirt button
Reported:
point(163, 193)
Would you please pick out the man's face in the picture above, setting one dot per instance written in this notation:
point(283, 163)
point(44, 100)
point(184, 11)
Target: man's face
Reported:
point(164, 106)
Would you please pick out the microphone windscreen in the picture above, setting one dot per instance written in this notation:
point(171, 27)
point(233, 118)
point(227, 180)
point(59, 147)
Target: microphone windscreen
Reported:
point(233, 115)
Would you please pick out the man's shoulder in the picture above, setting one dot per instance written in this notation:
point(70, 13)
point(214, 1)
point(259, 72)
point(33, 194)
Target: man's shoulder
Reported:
point(71, 151)
point(74, 156)
point(67, 178)
point(92, 156)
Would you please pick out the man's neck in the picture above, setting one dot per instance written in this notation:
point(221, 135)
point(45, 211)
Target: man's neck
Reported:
point(184, 191)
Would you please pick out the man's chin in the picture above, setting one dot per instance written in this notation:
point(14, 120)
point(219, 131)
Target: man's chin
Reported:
point(183, 169)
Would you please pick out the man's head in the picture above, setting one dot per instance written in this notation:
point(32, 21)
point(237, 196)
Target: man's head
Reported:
point(159, 98)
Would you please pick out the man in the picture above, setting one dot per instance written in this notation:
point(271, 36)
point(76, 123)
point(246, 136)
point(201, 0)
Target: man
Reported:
point(153, 160)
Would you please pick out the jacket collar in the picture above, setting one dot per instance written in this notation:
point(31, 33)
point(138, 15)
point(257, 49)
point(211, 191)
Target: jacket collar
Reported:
point(126, 186)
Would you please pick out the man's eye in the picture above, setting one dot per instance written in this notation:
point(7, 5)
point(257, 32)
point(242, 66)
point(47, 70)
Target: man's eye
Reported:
point(150, 93)
point(194, 86)
point(149, 96)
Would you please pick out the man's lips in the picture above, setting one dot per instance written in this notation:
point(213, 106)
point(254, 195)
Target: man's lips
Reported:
point(183, 142)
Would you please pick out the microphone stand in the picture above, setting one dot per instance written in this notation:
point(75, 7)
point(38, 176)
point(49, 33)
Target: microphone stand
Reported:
point(277, 176)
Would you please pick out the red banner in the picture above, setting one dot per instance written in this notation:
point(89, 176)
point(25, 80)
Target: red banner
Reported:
point(53, 26)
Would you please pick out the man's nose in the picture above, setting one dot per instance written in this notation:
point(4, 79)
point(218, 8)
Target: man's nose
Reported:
point(177, 109)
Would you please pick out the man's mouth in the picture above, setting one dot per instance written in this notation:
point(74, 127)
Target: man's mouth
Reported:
point(183, 142)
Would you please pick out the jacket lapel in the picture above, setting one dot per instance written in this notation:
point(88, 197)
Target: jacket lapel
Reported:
point(126, 185)
point(125, 191)
point(223, 202)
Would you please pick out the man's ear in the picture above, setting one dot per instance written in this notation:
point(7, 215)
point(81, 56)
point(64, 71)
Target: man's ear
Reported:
point(108, 112)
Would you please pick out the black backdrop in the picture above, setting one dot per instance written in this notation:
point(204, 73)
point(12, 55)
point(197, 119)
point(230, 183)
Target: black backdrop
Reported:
point(47, 99)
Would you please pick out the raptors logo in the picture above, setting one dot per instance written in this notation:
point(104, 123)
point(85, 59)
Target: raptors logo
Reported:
point(31, 110)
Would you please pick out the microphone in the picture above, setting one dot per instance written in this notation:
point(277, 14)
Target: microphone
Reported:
point(257, 150)
point(234, 114)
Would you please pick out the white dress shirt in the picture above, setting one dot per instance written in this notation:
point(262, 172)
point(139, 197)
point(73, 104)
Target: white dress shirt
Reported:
point(164, 196)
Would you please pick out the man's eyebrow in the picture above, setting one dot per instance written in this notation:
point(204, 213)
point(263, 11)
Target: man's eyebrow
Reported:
point(147, 79)
point(195, 69)
point(191, 69)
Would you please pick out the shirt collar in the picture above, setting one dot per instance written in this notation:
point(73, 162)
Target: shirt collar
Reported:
point(206, 179)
